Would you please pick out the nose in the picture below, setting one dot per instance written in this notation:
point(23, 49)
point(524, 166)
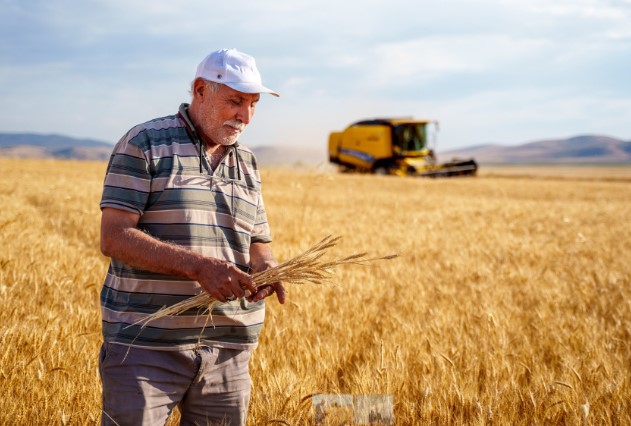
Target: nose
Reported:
point(245, 113)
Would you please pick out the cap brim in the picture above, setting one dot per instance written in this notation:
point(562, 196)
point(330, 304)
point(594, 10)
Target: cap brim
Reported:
point(250, 88)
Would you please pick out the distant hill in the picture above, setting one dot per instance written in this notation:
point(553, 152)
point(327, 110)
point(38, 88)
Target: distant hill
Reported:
point(53, 146)
point(30, 145)
point(586, 149)
point(288, 155)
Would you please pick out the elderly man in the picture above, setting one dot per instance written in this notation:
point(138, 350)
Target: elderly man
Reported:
point(182, 212)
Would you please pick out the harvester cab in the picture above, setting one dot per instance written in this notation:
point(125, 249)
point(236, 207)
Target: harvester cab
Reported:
point(393, 146)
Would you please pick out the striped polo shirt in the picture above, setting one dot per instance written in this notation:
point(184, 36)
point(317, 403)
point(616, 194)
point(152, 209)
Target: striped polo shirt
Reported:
point(154, 171)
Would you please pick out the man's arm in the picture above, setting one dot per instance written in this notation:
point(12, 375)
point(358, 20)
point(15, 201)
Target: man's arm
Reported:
point(261, 259)
point(122, 240)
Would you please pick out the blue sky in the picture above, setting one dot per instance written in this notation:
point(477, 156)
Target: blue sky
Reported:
point(491, 71)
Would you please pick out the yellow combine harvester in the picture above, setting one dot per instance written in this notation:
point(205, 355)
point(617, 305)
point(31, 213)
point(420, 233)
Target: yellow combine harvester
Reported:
point(396, 146)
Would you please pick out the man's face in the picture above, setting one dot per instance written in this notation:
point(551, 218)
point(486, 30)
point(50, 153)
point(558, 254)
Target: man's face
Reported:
point(224, 113)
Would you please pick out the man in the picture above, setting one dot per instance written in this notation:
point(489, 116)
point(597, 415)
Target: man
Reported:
point(182, 212)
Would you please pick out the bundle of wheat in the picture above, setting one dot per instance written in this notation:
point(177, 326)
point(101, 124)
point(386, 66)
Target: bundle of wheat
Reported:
point(308, 267)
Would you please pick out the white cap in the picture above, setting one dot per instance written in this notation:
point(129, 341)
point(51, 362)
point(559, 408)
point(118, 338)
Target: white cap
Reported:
point(234, 69)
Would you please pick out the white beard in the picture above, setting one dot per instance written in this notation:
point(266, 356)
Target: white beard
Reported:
point(228, 141)
point(232, 139)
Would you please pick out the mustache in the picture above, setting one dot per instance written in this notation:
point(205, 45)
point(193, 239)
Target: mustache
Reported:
point(240, 126)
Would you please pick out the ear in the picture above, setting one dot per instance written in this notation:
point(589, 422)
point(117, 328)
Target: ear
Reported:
point(199, 88)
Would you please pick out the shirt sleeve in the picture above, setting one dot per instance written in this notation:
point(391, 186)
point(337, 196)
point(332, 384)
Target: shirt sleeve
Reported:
point(128, 177)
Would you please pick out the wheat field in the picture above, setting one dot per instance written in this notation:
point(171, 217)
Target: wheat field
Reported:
point(510, 303)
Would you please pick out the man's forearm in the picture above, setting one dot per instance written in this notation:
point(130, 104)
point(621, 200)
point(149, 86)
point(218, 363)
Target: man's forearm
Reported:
point(122, 240)
point(135, 248)
point(261, 257)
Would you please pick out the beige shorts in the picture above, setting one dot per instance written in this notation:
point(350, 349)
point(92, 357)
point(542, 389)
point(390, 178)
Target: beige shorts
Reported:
point(211, 386)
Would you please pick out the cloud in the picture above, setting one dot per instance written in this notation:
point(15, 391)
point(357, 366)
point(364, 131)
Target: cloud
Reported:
point(517, 116)
point(582, 9)
point(427, 58)
point(94, 69)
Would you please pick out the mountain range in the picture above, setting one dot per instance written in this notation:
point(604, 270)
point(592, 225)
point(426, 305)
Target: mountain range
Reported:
point(32, 145)
point(586, 149)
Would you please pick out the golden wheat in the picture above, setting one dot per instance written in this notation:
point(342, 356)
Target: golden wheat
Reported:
point(510, 303)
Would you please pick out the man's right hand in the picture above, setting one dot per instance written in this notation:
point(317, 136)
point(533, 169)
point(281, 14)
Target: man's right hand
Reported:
point(223, 280)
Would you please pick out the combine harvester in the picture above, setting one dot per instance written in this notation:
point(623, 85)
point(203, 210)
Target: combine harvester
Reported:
point(393, 146)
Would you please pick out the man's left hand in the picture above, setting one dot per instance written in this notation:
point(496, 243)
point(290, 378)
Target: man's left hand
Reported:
point(261, 259)
point(267, 290)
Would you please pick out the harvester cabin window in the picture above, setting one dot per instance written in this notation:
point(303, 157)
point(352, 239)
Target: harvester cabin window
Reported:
point(410, 137)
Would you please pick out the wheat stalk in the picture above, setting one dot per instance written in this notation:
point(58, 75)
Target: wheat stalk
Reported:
point(308, 267)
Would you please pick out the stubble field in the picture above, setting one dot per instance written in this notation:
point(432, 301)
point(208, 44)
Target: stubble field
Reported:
point(510, 303)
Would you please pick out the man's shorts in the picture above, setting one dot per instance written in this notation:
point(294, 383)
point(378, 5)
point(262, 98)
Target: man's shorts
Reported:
point(211, 386)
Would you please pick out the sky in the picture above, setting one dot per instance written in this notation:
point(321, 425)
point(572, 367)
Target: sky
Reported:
point(490, 71)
